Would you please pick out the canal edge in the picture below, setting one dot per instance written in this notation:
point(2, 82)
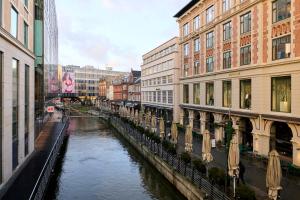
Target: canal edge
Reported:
point(183, 185)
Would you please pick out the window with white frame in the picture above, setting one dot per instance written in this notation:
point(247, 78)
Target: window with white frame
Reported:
point(186, 28)
point(281, 47)
point(226, 5)
point(158, 81)
point(185, 70)
point(170, 79)
point(246, 23)
point(158, 96)
point(210, 64)
point(164, 80)
point(164, 96)
point(154, 96)
point(197, 45)
point(281, 10)
point(14, 22)
point(186, 49)
point(210, 40)
point(227, 31)
point(170, 97)
point(245, 55)
point(210, 14)
point(196, 23)
point(196, 67)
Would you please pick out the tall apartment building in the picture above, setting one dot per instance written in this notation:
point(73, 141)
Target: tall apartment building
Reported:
point(160, 81)
point(240, 60)
point(17, 86)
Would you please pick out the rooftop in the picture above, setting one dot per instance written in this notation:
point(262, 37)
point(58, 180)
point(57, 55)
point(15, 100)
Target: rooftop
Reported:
point(186, 8)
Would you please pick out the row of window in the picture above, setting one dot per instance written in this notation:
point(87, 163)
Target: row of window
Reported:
point(88, 75)
point(158, 81)
point(281, 9)
point(158, 68)
point(15, 107)
point(281, 48)
point(14, 20)
point(280, 94)
point(87, 81)
point(165, 96)
point(160, 54)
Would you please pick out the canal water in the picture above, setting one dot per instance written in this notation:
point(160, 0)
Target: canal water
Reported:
point(96, 163)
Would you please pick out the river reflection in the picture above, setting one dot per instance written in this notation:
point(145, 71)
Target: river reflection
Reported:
point(99, 164)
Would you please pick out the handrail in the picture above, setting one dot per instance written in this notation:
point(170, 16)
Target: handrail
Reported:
point(36, 189)
point(210, 189)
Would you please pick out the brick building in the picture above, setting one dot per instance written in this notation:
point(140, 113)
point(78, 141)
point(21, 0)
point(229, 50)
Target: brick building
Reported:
point(240, 62)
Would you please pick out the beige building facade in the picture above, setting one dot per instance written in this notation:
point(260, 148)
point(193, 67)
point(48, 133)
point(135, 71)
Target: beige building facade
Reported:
point(240, 62)
point(17, 86)
point(160, 81)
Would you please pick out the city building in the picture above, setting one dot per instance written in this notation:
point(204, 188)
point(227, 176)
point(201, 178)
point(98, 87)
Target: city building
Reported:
point(104, 85)
point(240, 62)
point(134, 91)
point(121, 90)
point(160, 81)
point(17, 86)
point(46, 52)
point(88, 78)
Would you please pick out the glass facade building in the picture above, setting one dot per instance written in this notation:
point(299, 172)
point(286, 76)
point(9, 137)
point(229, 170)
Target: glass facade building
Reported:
point(46, 51)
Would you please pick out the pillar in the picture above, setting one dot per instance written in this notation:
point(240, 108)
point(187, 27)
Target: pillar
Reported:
point(218, 128)
point(202, 122)
point(191, 118)
point(261, 136)
point(181, 116)
point(296, 143)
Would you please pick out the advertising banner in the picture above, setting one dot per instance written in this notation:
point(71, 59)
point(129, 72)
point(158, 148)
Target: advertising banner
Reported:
point(53, 85)
point(68, 81)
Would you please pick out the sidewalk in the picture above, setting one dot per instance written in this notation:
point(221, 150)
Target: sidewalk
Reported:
point(255, 175)
point(24, 183)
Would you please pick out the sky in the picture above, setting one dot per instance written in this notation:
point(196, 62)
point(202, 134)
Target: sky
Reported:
point(114, 33)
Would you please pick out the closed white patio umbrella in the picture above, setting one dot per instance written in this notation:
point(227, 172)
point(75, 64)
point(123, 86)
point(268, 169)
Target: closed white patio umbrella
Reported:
point(274, 175)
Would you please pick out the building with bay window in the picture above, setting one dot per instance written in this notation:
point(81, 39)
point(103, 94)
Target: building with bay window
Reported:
point(160, 76)
point(17, 86)
point(246, 69)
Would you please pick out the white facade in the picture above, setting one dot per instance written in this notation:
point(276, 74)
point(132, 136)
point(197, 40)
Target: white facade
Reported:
point(160, 78)
point(15, 48)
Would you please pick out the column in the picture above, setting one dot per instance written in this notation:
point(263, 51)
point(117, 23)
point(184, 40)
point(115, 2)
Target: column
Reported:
point(261, 137)
point(191, 118)
point(202, 122)
point(181, 116)
point(236, 127)
point(218, 128)
point(296, 143)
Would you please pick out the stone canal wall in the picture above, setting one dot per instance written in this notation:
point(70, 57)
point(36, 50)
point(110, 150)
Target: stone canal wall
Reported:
point(189, 190)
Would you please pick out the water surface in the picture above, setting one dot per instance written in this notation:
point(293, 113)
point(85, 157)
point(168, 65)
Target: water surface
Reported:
point(99, 164)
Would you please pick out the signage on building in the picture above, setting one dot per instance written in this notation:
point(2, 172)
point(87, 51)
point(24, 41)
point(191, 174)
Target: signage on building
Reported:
point(68, 81)
point(50, 109)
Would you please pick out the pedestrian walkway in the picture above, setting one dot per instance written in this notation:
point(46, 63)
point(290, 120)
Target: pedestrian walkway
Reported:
point(255, 174)
point(25, 182)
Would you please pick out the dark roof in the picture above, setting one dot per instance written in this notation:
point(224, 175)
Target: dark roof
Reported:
point(137, 81)
point(136, 74)
point(186, 8)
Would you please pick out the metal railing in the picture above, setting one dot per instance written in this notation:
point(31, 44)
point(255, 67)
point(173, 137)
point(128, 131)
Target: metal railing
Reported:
point(42, 181)
point(187, 170)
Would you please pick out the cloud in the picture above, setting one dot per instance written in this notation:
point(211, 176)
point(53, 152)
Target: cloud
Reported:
point(113, 32)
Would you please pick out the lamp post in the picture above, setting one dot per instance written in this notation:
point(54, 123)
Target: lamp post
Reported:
point(228, 136)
